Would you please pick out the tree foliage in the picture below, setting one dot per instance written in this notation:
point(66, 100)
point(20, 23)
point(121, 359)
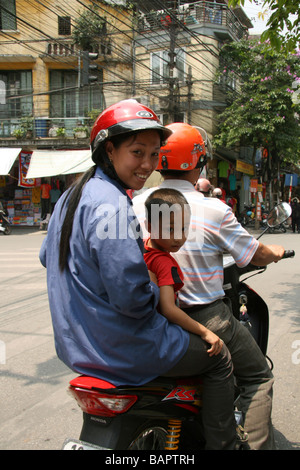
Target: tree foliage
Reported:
point(263, 108)
point(283, 26)
point(90, 28)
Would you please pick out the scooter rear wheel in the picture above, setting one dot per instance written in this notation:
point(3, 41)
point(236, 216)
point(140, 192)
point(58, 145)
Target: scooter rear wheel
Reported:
point(7, 230)
point(150, 438)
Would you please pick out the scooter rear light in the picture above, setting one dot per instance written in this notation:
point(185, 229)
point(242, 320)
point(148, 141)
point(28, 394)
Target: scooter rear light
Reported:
point(101, 404)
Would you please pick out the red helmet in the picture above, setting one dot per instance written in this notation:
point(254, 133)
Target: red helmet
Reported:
point(184, 150)
point(123, 117)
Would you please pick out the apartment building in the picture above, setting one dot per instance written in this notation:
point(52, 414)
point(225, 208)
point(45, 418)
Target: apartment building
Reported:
point(179, 48)
point(41, 67)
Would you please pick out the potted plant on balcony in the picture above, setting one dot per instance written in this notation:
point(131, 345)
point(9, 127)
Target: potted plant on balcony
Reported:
point(56, 131)
point(27, 126)
point(18, 133)
point(25, 130)
point(81, 132)
point(61, 132)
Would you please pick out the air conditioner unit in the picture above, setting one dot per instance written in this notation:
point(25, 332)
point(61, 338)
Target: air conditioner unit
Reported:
point(143, 99)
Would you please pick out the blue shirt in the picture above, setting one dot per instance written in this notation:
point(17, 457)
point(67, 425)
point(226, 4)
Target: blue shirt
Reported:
point(103, 304)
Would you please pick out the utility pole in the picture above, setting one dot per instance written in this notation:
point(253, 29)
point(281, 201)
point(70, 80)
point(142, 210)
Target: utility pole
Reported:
point(173, 99)
point(189, 83)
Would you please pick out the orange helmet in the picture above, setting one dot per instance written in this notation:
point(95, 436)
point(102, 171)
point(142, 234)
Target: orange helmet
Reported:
point(124, 117)
point(184, 150)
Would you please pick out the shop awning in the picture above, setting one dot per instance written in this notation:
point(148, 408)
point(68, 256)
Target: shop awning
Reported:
point(58, 162)
point(7, 159)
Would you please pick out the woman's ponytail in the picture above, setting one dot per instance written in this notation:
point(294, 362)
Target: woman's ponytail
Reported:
point(72, 200)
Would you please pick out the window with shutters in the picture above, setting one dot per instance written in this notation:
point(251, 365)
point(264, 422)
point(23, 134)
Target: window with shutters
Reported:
point(160, 68)
point(8, 20)
point(18, 100)
point(67, 100)
point(64, 25)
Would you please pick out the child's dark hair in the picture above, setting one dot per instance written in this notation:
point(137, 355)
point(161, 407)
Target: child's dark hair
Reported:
point(164, 196)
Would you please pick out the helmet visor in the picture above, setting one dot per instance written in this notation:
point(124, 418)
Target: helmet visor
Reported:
point(133, 125)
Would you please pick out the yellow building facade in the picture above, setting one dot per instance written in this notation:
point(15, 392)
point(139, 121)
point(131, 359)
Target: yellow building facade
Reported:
point(42, 67)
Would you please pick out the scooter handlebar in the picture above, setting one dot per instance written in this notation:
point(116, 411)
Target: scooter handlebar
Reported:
point(289, 254)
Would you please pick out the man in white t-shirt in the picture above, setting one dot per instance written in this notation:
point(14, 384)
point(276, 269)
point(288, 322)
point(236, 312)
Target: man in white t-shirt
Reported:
point(213, 230)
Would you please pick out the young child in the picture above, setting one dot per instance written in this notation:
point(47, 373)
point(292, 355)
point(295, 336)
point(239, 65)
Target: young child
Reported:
point(167, 221)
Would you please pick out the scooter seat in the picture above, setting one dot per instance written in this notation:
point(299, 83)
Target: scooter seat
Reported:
point(90, 383)
point(87, 382)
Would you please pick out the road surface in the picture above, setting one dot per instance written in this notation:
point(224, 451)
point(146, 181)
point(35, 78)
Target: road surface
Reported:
point(36, 412)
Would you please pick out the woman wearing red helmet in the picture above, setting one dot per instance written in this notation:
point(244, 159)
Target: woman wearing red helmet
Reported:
point(102, 302)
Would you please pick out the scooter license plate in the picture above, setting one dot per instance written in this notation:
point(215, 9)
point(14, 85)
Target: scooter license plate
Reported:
point(73, 444)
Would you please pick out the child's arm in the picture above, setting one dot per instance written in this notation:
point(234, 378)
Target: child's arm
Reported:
point(175, 315)
point(153, 277)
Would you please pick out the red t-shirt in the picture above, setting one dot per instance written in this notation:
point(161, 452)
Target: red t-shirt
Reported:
point(46, 188)
point(164, 266)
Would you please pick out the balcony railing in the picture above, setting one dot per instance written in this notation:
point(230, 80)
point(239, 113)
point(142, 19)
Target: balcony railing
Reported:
point(62, 49)
point(67, 48)
point(198, 13)
point(42, 127)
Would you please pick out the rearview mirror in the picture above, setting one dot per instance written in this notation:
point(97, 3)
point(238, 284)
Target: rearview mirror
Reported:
point(279, 214)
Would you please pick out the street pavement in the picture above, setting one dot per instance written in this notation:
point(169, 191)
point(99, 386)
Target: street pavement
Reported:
point(36, 413)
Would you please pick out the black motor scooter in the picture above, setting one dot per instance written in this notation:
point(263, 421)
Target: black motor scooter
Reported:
point(5, 226)
point(165, 414)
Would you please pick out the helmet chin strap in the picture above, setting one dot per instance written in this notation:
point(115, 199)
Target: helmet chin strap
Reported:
point(201, 162)
point(110, 171)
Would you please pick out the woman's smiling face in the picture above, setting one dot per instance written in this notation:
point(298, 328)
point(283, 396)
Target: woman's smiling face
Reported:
point(136, 158)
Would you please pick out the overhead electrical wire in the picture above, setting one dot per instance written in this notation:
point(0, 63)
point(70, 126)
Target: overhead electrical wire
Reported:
point(122, 53)
point(151, 92)
point(118, 51)
point(84, 6)
point(130, 29)
point(55, 38)
point(203, 98)
point(150, 38)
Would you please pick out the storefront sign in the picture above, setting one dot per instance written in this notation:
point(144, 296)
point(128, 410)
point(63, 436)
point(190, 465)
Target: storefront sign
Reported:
point(258, 210)
point(253, 185)
point(24, 161)
point(244, 167)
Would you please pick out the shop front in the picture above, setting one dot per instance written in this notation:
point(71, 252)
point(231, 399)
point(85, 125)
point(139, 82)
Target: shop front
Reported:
point(32, 181)
point(233, 178)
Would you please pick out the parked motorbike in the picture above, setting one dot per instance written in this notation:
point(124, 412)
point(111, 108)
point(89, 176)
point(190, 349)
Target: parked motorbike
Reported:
point(276, 219)
point(5, 226)
point(281, 228)
point(165, 414)
point(247, 216)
